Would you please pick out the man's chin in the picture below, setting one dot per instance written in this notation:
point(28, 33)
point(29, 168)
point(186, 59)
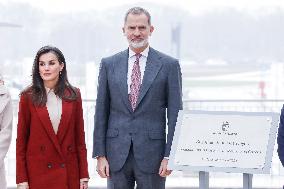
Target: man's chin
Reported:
point(138, 45)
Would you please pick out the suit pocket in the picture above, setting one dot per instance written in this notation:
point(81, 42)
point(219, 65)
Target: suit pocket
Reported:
point(157, 135)
point(112, 133)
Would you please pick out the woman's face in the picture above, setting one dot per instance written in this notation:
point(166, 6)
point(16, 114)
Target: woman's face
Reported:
point(49, 68)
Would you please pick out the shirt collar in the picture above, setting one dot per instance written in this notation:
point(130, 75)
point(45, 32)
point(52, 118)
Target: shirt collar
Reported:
point(48, 90)
point(144, 53)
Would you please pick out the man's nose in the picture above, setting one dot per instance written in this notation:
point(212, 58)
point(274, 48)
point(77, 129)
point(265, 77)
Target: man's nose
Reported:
point(136, 31)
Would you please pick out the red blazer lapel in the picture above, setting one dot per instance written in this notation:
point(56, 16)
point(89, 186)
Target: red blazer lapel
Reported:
point(67, 108)
point(45, 120)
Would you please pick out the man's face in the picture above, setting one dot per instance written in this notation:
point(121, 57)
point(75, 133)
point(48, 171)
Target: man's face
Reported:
point(137, 31)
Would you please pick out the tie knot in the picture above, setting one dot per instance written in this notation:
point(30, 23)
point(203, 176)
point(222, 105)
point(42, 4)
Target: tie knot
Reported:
point(138, 55)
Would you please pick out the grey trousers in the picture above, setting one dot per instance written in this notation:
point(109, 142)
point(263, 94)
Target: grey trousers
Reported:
point(131, 173)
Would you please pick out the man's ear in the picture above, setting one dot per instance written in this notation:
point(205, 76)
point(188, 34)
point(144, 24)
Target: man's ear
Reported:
point(151, 29)
point(123, 30)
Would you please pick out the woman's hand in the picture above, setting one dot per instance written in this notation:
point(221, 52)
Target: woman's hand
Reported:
point(84, 185)
point(23, 185)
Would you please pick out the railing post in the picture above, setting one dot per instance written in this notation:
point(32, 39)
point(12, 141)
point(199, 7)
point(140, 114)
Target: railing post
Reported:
point(203, 180)
point(247, 181)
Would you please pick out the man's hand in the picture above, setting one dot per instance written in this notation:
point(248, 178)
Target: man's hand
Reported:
point(102, 166)
point(163, 171)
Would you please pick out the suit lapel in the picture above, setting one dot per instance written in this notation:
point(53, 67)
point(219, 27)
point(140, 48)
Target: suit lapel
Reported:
point(45, 120)
point(153, 65)
point(121, 69)
point(67, 107)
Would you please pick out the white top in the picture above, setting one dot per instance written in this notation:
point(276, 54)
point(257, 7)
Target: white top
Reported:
point(142, 64)
point(54, 107)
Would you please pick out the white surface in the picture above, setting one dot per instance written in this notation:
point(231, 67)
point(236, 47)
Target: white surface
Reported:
point(243, 144)
point(224, 141)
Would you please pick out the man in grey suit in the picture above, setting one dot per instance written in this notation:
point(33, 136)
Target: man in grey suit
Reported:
point(139, 93)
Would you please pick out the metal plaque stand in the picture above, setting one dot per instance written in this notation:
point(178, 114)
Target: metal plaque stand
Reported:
point(247, 181)
point(204, 180)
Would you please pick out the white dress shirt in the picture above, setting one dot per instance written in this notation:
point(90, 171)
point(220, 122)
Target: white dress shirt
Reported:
point(142, 64)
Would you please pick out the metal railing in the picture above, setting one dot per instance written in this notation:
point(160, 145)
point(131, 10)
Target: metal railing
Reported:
point(213, 105)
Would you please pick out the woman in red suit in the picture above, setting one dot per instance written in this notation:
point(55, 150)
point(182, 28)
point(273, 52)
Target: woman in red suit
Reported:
point(50, 148)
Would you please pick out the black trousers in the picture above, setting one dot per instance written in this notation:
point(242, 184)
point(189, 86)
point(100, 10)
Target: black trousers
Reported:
point(131, 174)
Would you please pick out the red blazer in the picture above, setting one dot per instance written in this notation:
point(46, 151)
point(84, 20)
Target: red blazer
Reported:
point(47, 160)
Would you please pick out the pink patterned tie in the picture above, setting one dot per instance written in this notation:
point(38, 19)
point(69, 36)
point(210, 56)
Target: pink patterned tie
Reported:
point(135, 82)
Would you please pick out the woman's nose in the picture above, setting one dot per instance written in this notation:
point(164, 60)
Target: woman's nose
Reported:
point(46, 66)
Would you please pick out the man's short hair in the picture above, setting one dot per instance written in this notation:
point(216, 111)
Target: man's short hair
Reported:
point(138, 11)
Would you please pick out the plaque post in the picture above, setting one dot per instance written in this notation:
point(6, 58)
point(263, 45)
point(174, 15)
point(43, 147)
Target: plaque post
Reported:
point(203, 180)
point(247, 181)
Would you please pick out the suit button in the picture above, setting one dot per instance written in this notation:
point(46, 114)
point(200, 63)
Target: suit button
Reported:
point(62, 165)
point(42, 148)
point(49, 165)
point(69, 148)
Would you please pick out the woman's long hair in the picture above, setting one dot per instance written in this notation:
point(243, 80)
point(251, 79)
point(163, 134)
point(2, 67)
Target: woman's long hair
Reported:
point(63, 89)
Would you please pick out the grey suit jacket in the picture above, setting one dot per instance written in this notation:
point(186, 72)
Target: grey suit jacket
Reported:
point(117, 126)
